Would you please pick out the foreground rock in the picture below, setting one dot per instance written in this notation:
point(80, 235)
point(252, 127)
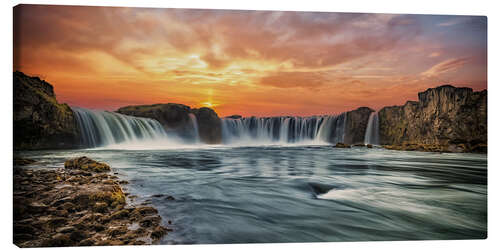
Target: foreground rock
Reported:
point(40, 122)
point(78, 206)
point(445, 119)
point(176, 117)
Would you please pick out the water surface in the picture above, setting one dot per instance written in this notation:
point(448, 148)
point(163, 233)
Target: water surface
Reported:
point(301, 193)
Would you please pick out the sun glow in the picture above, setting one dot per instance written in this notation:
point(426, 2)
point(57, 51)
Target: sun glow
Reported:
point(208, 104)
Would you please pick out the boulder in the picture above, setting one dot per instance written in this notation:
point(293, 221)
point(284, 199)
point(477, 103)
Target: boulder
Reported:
point(86, 164)
point(40, 122)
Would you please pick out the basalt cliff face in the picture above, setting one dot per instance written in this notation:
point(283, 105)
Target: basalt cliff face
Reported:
point(443, 119)
point(40, 122)
point(176, 117)
point(356, 124)
point(209, 125)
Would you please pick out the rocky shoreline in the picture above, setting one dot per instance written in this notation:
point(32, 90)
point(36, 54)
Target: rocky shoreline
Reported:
point(81, 204)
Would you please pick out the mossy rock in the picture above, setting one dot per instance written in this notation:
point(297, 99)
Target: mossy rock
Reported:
point(86, 164)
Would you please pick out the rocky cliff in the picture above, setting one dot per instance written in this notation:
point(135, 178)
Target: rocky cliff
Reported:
point(40, 122)
point(355, 125)
point(209, 125)
point(448, 118)
point(176, 117)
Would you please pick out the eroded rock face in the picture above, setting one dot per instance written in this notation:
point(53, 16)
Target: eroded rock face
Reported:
point(176, 117)
point(209, 125)
point(40, 122)
point(453, 119)
point(172, 116)
point(356, 123)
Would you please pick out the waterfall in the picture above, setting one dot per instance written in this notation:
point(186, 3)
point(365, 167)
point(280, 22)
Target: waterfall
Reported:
point(284, 130)
point(102, 128)
point(372, 130)
point(194, 124)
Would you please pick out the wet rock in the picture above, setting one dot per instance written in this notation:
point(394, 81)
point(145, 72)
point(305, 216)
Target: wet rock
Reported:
point(93, 213)
point(86, 242)
point(100, 207)
point(150, 221)
point(341, 145)
point(117, 231)
point(86, 164)
point(37, 207)
point(66, 229)
point(143, 211)
point(158, 232)
point(369, 146)
point(120, 214)
point(58, 240)
point(78, 235)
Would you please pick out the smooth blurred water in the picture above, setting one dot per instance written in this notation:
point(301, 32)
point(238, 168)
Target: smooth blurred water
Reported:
point(303, 193)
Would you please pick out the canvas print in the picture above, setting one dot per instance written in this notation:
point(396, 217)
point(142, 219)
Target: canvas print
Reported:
point(141, 126)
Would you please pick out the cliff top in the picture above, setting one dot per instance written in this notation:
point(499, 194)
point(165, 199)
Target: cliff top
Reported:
point(35, 82)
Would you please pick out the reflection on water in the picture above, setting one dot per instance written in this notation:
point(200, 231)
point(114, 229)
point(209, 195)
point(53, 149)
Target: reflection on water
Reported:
point(304, 193)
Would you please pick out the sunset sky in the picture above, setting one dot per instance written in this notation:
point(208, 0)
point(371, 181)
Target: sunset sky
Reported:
point(262, 63)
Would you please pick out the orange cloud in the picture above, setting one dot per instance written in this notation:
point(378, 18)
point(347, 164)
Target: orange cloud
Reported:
point(242, 61)
point(449, 65)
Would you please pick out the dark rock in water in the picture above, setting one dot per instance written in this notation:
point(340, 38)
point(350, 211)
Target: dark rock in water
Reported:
point(159, 232)
point(355, 125)
point(445, 119)
point(369, 146)
point(209, 125)
point(342, 145)
point(234, 117)
point(40, 122)
point(319, 188)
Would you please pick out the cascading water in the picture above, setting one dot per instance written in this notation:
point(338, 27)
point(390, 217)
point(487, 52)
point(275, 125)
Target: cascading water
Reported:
point(194, 124)
point(372, 130)
point(283, 130)
point(102, 128)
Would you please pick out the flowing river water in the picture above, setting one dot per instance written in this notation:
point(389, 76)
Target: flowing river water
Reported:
point(300, 193)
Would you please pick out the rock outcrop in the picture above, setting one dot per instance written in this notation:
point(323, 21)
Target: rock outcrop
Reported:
point(443, 119)
point(176, 118)
point(355, 125)
point(209, 125)
point(79, 206)
point(40, 122)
